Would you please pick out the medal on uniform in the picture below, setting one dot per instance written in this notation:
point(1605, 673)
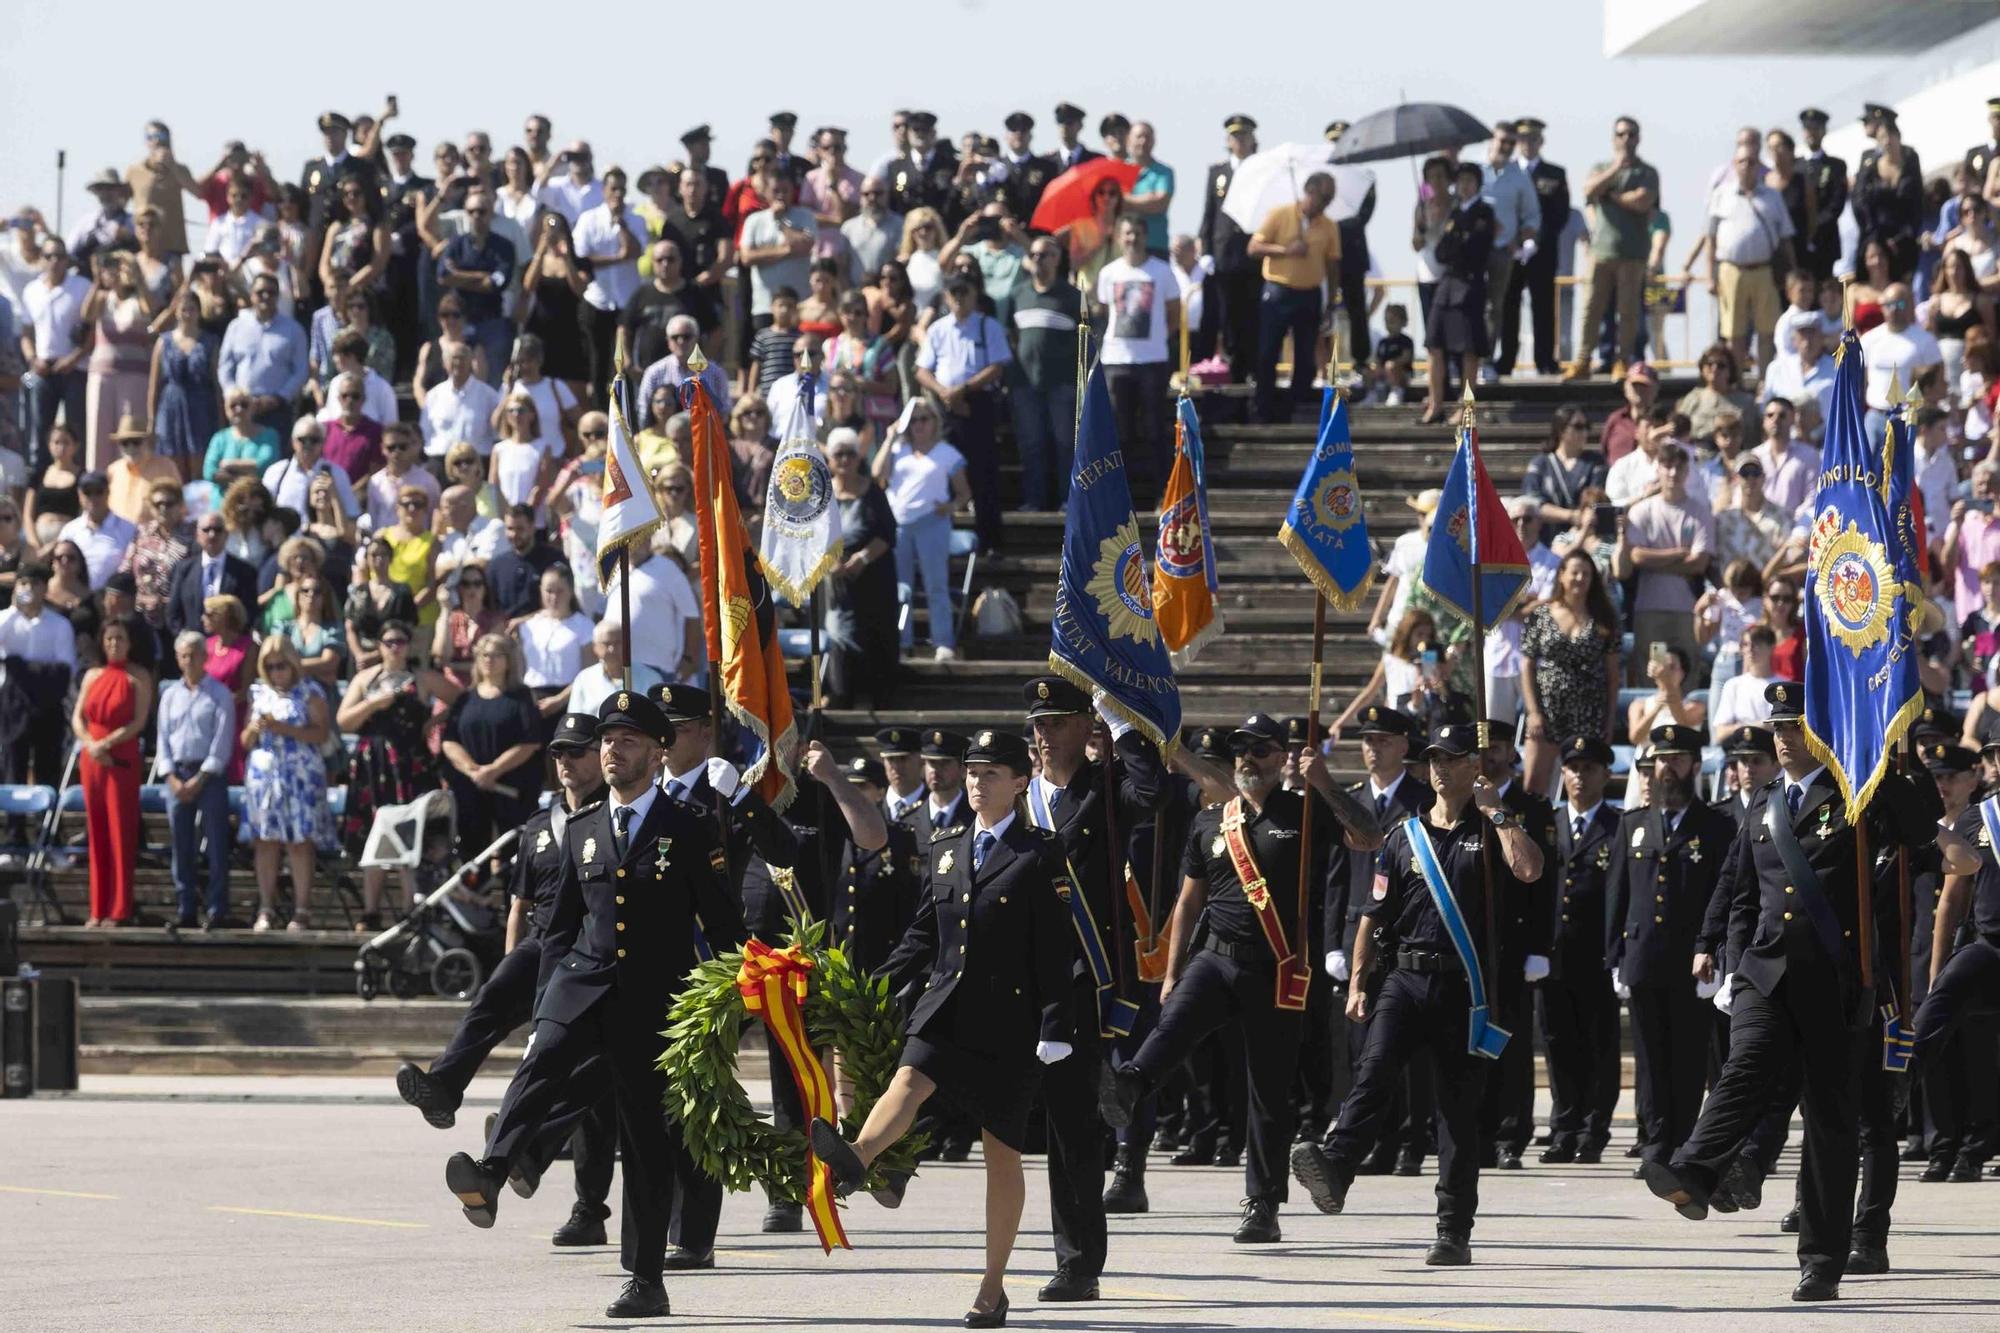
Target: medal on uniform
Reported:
point(945, 862)
point(1694, 851)
point(542, 842)
point(1982, 839)
point(590, 849)
point(1217, 847)
point(1604, 858)
point(1638, 838)
point(661, 862)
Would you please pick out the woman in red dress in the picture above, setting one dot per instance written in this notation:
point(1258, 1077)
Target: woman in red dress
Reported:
point(110, 716)
point(232, 660)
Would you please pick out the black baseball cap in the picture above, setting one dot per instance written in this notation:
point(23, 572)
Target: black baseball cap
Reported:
point(1457, 739)
point(574, 731)
point(1255, 728)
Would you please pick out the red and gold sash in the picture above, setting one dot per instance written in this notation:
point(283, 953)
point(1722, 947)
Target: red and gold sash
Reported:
point(1293, 980)
point(773, 985)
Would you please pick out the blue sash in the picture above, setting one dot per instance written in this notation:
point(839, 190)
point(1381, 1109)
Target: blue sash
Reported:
point(1989, 812)
point(1481, 1036)
point(1115, 1013)
point(702, 953)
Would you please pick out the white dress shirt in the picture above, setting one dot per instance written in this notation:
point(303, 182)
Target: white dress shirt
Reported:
point(639, 805)
point(453, 413)
point(103, 544)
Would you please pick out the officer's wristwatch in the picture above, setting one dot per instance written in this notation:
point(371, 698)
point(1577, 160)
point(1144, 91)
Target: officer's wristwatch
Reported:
point(1501, 818)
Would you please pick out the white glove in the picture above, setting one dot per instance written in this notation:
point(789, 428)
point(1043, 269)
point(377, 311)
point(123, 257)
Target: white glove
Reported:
point(722, 776)
point(1725, 993)
point(1535, 968)
point(1048, 1052)
point(1336, 964)
point(1527, 252)
point(1618, 986)
point(1117, 725)
point(1706, 990)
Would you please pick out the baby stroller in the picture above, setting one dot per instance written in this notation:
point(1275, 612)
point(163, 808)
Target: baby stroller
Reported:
point(443, 945)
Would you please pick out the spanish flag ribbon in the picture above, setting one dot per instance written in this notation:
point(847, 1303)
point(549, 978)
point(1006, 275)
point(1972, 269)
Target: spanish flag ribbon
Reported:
point(773, 985)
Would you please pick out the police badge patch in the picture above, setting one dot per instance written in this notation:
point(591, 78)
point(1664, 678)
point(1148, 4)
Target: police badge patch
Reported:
point(945, 862)
point(590, 849)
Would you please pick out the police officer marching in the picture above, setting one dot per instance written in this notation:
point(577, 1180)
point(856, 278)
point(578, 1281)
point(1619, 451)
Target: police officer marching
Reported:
point(874, 895)
point(1579, 1007)
point(1664, 867)
point(507, 1000)
point(1253, 964)
point(904, 769)
point(1432, 892)
point(1796, 986)
point(1507, 1107)
point(638, 889)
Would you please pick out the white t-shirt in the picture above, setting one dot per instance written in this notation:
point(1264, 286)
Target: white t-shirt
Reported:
point(1135, 297)
point(230, 236)
point(1902, 356)
point(611, 285)
point(918, 483)
point(551, 398)
point(378, 400)
point(453, 414)
point(662, 603)
point(57, 314)
point(1742, 701)
point(552, 650)
point(565, 196)
point(520, 465)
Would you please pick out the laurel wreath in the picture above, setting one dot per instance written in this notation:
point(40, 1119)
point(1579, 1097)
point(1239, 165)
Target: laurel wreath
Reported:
point(845, 1009)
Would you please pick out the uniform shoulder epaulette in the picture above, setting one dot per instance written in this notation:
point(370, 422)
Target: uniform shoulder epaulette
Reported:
point(1045, 834)
point(1214, 805)
point(585, 809)
point(1357, 786)
point(939, 835)
point(684, 803)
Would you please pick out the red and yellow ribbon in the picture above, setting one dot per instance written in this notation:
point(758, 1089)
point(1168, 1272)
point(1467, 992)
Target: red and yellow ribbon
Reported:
point(773, 985)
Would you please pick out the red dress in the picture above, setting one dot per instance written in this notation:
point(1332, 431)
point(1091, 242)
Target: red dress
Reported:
point(111, 796)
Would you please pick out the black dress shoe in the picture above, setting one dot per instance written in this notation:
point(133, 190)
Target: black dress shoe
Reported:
point(955, 1150)
point(1260, 1222)
point(1197, 1153)
point(1638, 1149)
point(1559, 1154)
point(1068, 1285)
point(524, 1176)
point(1381, 1162)
point(1229, 1156)
point(681, 1259)
point(1688, 1199)
point(838, 1154)
point(1722, 1200)
point(1589, 1154)
point(994, 1318)
point(1914, 1151)
point(585, 1227)
point(1409, 1164)
point(640, 1298)
point(1117, 1094)
point(890, 1192)
point(783, 1219)
point(1789, 1223)
point(477, 1185)
point(419, 1089)
point(1312, 1168)
point(1451, 1249)
point(1965, 1170)
point(1817, 1287)
point(1510, 1160)
point(1939, 1168)
point(1744, 1183)
point(1867, 1258)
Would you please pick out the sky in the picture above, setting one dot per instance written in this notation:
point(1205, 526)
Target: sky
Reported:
point(264, 72)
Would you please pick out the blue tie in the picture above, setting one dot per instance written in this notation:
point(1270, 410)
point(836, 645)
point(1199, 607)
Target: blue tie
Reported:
point(621, 828)
point(982, 843)
point(1794, 794)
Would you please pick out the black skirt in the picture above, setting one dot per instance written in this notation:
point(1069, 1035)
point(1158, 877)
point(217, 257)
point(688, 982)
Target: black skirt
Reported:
point(994, 1093)
point(1456, 323)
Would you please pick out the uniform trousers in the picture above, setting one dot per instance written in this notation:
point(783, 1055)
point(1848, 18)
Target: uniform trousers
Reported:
point(1885, 1095)
point(1418, 1012)
point(1138, 1135)
point(1354, 303)
point(1240, 292)
point(1955, 1049)
point(543, 1090)
point(1322, 1054)
point(1410, 1125)
point(1076, 1144)
point(1671, 1025)
point(1804, 1018)
point(1580, 1025)
point(1212, 991)
point(1507, 1102)
point(1537, 280)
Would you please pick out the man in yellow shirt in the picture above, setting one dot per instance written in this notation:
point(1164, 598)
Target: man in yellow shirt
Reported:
point(1300, 247)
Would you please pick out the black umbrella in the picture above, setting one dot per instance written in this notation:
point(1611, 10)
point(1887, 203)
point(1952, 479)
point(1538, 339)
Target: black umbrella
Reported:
point(1409, 130)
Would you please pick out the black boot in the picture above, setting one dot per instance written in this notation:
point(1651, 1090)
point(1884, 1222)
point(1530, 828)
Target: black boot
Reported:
point(1200, 1150)
point(1260, 1222)
point(1868, 1256)
point(1965, 1169)
point(585, 1226)
point(781, 1218)
point(1127, 1191)
point(434, 1099)
point(1451, 1249)
point(1938, 1169)
point(1323, 1180)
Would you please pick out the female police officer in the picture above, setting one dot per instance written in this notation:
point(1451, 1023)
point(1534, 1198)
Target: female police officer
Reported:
point(992, 946)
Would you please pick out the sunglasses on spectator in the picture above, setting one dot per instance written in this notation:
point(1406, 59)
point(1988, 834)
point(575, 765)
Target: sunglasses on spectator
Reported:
point(396, 643)
point(310, 437)
point(679, 337)
point(400, 447)
point(588, 434)
point(468, 581)
point(1781, 597)
point(411, 503)
point(213, 529)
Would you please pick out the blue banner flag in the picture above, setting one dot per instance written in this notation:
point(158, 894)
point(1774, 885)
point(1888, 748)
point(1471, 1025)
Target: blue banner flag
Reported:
point(1471, 530)
point(1325, 529)
point(1862, 600)
point(1104, 638)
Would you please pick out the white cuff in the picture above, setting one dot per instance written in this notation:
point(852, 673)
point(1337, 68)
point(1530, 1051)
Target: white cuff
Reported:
point(1706, 990)
point(1725, 993)
point(1336, 964)
point(1118, 725)
point(722, 776)
point(1048, 1052)
point(1535, 967)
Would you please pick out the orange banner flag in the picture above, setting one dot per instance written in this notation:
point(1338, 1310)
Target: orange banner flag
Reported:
point(738, 618)
point(1184, 557)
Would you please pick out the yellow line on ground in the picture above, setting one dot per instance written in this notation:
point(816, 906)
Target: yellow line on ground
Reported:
point(60, 1194)
point(1117, 1292)
point(320, 1217)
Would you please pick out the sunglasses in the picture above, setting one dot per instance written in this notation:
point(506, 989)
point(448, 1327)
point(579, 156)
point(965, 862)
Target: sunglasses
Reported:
point(1781, 597)
point(479, 212)
point(395, 643)
point(588, 435)
point(410, 504)
point(213, 530)
point(314, 438)
point(679, 337)
point(1253, 750)
point(471, 583)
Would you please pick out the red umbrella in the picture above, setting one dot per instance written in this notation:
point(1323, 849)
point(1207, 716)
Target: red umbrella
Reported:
point(1068, 197)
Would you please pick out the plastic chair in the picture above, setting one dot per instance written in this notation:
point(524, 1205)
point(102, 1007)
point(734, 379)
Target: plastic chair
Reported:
point(26, 802)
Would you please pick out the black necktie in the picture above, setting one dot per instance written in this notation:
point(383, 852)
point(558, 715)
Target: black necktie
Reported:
point(1381, 806)
point(1576, 828)
point(1794, 793)
point(621, 828)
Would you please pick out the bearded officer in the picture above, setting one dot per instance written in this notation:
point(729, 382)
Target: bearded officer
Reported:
point(1579, 1008)
point(1796, 988)
point(1430, 893)
point(1664, 868)
point(1241, 870)
point(639, 887)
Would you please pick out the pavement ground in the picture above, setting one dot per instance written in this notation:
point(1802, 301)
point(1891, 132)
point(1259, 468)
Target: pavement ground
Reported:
point(318, 1204)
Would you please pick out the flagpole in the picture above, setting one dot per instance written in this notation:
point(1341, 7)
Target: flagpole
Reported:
point(1299, 954)
point(1469, 422)
point(624, 548)
point(694, 365)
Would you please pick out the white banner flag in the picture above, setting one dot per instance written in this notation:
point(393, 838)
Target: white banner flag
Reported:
point(801, 525)
point(630, 512)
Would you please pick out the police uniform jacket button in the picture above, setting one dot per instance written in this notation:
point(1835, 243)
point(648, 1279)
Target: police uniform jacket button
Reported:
point(1788, 888)
point(1788, 916)
point(1565, 916)
point(621, 872)
point(620, 900)
point(1658, 920)
point(621, 925)
point(850, 890)
point(621, 953)
point(966, 898)
point(1003, 897)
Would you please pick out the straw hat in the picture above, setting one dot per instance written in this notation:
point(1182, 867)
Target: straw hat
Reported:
point(130, 428)
point(1425, 502)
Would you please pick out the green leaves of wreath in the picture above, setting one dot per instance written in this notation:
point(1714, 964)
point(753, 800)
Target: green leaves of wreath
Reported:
point(844, 1009)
